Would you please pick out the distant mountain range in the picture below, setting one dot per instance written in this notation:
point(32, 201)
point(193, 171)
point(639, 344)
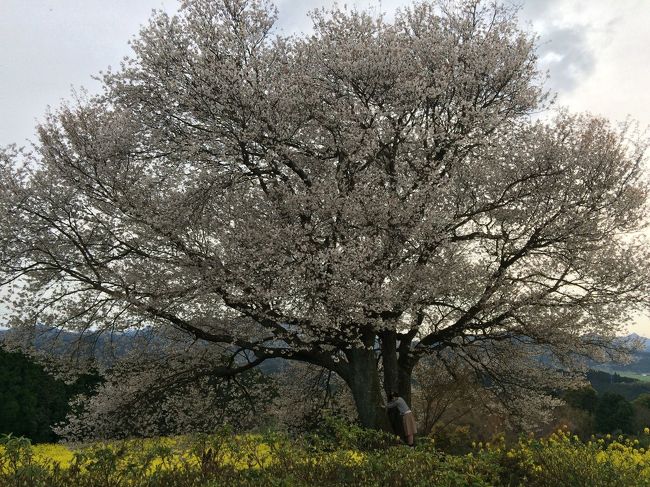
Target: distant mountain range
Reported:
point(629, 380)
point(104, 347)
point(644, 340)
point(107, 347)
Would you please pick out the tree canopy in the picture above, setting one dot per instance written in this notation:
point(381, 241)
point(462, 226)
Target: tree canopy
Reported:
point(355, 198)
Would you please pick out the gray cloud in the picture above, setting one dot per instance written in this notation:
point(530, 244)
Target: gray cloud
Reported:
point(536, 8)
point(293, 14)
point(49, 45)
point(567, 55)
point(564, 49)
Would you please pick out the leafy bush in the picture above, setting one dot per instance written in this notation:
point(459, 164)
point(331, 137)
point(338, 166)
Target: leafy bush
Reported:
point(334, 433)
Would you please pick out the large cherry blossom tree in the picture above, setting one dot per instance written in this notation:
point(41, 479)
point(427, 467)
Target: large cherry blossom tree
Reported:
point(356, 198)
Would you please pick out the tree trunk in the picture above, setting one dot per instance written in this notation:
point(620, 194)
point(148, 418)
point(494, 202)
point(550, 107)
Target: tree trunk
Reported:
point(363, 380)
point(361, 374)
point(389, 362)
point(404, 373)
point(398, 368)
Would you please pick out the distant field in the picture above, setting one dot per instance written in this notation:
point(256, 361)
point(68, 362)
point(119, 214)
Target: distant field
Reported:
point(640, 376)
point(635, 375)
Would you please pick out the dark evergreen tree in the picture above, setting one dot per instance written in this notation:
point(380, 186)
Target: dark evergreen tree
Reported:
point(613, 413)
point(31, 400)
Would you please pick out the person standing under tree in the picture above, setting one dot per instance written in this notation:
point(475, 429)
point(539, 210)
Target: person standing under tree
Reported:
point(408, 421)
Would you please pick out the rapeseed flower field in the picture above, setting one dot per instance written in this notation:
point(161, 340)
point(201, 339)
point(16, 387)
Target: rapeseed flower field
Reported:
point(350, 457)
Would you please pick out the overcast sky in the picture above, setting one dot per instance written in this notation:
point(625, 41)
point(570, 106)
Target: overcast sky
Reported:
point(597, 53)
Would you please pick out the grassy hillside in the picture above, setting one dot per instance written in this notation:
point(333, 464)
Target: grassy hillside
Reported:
point(625, 384)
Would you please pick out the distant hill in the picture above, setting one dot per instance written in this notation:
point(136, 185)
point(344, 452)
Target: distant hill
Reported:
point(107, 347)
point(104, 347)
point(628, 387)
point(644, 340)
point(639, 367)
